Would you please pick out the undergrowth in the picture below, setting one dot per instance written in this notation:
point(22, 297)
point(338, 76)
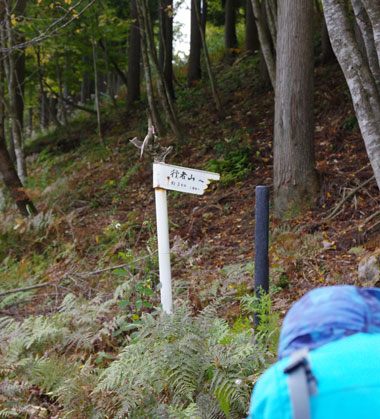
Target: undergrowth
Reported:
point(176, 366)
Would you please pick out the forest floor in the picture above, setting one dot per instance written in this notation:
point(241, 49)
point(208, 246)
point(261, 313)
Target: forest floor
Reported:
point(103, 201)
point(96, 221)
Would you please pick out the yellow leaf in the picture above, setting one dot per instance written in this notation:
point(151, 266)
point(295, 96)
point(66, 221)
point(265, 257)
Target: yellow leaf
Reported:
point(97, 239)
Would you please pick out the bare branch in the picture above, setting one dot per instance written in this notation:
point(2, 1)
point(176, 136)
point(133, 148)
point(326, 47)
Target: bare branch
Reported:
point(49, 31)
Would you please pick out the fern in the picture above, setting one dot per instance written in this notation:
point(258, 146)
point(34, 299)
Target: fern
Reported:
point(186, 360)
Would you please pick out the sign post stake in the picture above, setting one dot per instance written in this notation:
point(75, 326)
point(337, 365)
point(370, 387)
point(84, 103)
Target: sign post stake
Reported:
point(181, 179)
point(163, 249)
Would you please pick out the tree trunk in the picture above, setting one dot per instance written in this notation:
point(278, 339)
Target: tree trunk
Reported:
point(230, 38)
point(61, 102)
point(110, 83)
point(43, 98)
point(85, 89)
point(163, 93)
point(328, 55)
point(364, 93)
point(271, 18)
point(156, 118)
point(366, 33)
point(9, 174)
point(53, 111)
point(14, 92)
point(265, 42)
point(133, 89)
point(20, 7)
point(194, 65)
point(373, 11)
point(295, 179)
point(96, 75)
point(214, 89)
point(166, 43)
point(251, 43)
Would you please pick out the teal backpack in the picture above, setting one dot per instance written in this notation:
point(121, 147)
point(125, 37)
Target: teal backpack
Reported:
point(329, 365)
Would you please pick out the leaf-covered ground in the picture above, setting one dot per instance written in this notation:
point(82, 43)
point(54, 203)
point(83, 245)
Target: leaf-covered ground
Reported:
point(97, 210)
point(93, 187)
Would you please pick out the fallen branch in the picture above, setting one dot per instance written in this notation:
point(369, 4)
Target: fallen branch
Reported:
point(112, 268)
point(24, 288)
point(346, 198)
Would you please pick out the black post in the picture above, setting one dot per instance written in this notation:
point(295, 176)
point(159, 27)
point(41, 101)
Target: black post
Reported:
point(261, 243)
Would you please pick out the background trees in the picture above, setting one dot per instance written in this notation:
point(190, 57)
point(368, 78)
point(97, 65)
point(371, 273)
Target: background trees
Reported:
point(83, 54)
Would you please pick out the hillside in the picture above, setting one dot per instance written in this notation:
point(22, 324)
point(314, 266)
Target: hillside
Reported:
point(95, 231)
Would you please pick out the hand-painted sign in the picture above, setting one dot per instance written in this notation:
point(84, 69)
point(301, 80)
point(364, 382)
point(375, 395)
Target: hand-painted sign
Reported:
point(182, 179)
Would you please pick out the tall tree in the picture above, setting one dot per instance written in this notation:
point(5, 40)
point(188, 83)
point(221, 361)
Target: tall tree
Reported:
point(366, 32)
point(166, 101)
point(265, 40)
point(251, 42)
point(8, 172)
point(230, 37)
point(295, 178)
point(364, 93)
point(166, 43)
point(194, 65)
point(133, 85)
point(14, 89)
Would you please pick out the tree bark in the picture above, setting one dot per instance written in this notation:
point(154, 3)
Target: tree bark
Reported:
point(373, 11)
point(166, 43)
point(194, 64)
point(251, 43)
point(14, 91)
point(295, 178)
point(134, 53)
point(265, 42)
point(9, 174)
point(271, 17)
point(96, 75)
point(156, 118)
point(61, 101)
point(327, 55)
point(163, 93)
point(214, 89)
point(367, 35)
point(230, 37)
point(364, 93)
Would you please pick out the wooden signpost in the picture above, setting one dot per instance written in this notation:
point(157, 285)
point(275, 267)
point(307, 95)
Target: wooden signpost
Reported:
point(181, 179)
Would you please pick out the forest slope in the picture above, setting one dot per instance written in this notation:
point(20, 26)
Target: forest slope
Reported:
point(96, 224)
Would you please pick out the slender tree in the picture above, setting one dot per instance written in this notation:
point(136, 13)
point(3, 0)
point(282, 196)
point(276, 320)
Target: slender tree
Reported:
point(133, 84)
point(8, 172)
point(230, 37)
point(166, 43)
point(265, 41)
point(364, 93)
point(194, 65)
point(162, 89)
point(14, 92)
point(251, 42)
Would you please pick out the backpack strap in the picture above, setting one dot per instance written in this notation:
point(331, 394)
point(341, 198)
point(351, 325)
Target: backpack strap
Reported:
point(302, 383)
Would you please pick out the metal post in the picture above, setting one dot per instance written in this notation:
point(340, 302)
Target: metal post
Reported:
point(163, 249)
point(261, 242)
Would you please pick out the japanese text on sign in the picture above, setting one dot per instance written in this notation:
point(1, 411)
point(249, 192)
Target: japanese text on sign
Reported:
point(181, 179)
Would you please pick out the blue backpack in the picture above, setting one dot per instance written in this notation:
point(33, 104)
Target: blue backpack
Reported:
point(329, 353)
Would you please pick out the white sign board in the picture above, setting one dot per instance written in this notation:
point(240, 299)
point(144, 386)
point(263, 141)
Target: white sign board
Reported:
point(182, 179)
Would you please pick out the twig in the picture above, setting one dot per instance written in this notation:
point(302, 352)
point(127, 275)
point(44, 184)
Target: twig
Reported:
point(24, 288)
point(346, 198)
point(115, 267)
